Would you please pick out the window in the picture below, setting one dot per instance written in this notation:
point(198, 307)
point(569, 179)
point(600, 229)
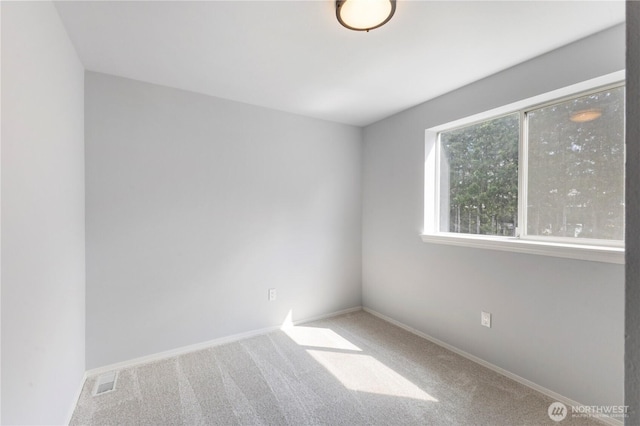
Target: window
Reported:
point(544, 175)
point(575, 179)
point(479, 177)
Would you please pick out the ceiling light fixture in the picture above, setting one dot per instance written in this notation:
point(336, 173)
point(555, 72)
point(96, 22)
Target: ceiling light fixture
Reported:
point(586, 115)
point(364, 15)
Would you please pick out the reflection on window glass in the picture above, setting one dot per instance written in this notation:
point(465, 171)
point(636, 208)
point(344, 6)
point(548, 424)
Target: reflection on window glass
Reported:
point(576, 168)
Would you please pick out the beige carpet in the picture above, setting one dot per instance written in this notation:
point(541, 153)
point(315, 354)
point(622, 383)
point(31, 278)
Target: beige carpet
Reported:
point(353, 369)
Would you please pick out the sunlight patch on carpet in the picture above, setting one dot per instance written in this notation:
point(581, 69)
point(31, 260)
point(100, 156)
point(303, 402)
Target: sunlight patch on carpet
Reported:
point(319, 338)
point(364, 373)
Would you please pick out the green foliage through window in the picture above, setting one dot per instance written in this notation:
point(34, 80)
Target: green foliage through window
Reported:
point(575, 171)
point(482, 163)
point(576, 168)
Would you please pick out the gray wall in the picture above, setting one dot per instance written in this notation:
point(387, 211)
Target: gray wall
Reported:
point(43, 303)
point(632, 309)
point(556, 322)
point(196, 206)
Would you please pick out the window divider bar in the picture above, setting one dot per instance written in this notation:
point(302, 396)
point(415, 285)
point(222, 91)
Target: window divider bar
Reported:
point(523, 173)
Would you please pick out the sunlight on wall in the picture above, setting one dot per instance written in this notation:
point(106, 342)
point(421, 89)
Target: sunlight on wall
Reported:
point(288, 320)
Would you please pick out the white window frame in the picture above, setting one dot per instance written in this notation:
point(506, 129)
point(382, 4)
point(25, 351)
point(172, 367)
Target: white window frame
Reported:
point(591, 250)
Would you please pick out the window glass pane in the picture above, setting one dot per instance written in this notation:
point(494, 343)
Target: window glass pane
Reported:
point(576, 168)
point(479, 178)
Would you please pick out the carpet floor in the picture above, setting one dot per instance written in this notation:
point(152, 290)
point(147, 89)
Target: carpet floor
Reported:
point(354, 369)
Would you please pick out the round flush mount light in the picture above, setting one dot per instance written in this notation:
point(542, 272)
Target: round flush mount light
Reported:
point(364, 15)
point(586, 115)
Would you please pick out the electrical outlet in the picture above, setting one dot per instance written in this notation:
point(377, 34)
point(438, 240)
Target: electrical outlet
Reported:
point(272, 294)
point(485, 319)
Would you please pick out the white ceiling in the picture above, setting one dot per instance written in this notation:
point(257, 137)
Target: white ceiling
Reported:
point(294, 55)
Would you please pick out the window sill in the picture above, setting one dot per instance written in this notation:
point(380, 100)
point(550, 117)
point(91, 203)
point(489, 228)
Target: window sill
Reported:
point(516, 245)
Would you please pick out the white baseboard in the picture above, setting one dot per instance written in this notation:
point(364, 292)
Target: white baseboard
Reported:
point(234, 338)
point(205, 345)
point(331, 315)
point(556, 396)
point(76, 398)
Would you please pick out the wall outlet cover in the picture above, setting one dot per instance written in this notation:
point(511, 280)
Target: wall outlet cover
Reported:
point(485, 319)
